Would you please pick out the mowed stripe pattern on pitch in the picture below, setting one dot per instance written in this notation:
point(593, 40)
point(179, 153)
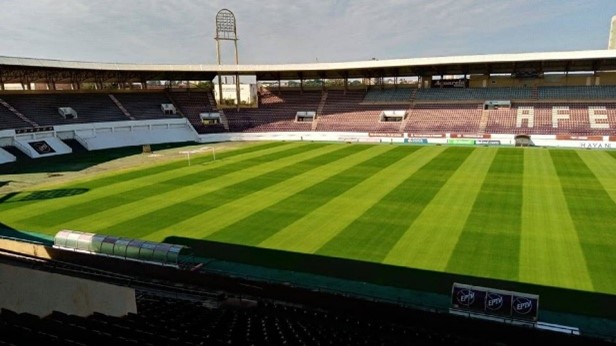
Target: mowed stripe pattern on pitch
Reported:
point(529, 214)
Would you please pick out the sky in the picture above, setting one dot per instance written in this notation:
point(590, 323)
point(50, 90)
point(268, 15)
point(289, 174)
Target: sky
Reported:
point(297, 31)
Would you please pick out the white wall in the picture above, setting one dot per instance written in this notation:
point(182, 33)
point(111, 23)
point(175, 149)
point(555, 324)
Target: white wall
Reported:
point(356, 137)
point(104, 136)
point(95, 136)
point(57, 147)
point(6, 157)
point(248, 92)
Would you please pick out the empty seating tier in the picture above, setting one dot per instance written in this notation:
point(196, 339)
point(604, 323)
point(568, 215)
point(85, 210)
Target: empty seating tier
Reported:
point(275, 112)
point(577, 93)
point(43, 108)
point(448, 94)
point(437, 118)
point(347, 112)
point(388, 95)
point(10, 120)
point(575, 110)
point(191, 104)
point(144, 106)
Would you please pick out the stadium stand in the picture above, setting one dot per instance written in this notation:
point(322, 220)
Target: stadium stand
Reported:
point(348, 112)
point(191, 104)
point(433, 112)
point(607, 92)
point(588, 110)
point(11, 119)
point(446, 94)
point(426, 118)
point(400, 95)
point(144, 105)
point(553, 118)
point(43, 108)
point(275, 112)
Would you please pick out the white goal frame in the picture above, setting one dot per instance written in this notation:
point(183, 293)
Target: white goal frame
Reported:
point(198, 151)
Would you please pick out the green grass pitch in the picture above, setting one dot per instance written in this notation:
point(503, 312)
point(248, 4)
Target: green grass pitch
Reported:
point(534, 215)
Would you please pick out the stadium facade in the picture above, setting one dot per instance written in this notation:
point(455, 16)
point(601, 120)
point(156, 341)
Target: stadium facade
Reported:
point(549, 99)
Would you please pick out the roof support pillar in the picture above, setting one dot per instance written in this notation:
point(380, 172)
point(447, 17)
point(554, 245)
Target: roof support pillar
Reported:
point(51, 81)
point(25, 81)
point(237, 85)
point(1, 80)
point(219, 75)
point(220, 90)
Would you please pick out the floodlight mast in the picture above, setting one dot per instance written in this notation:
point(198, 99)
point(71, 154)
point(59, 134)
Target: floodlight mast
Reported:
point(227, 30)
point(611, 44)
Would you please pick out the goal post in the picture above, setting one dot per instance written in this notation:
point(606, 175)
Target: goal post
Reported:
point(198, 151)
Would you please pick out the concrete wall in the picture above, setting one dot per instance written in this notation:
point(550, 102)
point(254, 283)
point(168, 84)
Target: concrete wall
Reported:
point(40, 293)
point(104, 135)
point(5, 156)
point(25, 248)
point(353, 137)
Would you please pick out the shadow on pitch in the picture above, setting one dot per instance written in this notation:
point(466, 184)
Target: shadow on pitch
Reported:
point(7, 231)
point(80, 159)
point(40, 195)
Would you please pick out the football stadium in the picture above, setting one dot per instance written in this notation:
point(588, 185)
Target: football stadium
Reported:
point(449, 200)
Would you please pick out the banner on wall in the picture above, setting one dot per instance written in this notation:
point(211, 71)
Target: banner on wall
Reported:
point(430, 135)
point(496, 302)
point(450, 83)
point(487, 142)
point(42, 147)
point(461, 141)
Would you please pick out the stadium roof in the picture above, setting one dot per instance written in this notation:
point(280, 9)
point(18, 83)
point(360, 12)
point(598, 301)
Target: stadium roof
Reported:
point(15, 70)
